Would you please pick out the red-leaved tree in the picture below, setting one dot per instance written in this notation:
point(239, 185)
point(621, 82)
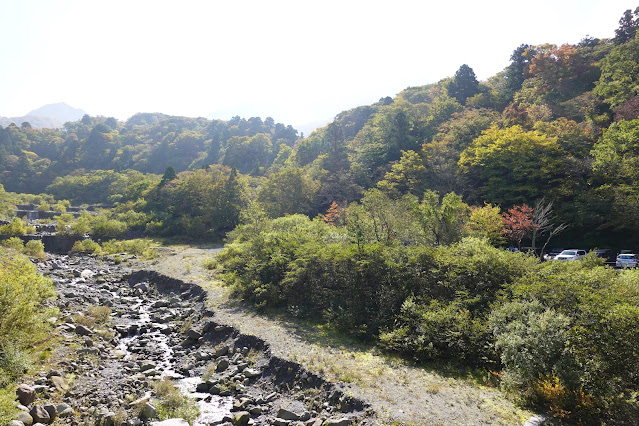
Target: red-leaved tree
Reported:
point(518, 223)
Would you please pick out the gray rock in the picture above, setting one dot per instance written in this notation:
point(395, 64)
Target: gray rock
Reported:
point(25, 418)
point(337, 422)
point(64, 410)
point(51, 410)
point(222, 365)
point(26, 394)
point(241, 418)
point(285, 414)
point(171, 422)
point(40, 415)
point(147, 365)
point(251, 372)
point(148, 411)
point(222, 350)
point(60, 383)
point(83, 331)
point(193, 334)
point(16, 423)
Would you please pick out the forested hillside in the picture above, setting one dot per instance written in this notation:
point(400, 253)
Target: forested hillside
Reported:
point(558, 123)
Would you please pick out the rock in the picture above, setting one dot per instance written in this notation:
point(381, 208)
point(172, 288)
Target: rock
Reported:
point(40, 414)
point(64, 410)
point(26, 394)
point(255, 411)
point(25, 418)
point(222, 365)
point(147, 365)
point(83, 330)
point(251, 373)
point(87, 273)
point(281, 422)
point(60, 384)
point(51, 410)
point(222, 350)
point(171, 422)
point(16, 423)
point(241, 418)
point(148, 411)
point(337, 422)
point(285, 414)
point(193, 334)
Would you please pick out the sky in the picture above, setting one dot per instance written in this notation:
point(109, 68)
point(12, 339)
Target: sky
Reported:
point(298, 61)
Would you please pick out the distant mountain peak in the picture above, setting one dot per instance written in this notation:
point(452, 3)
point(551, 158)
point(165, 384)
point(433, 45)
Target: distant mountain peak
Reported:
point(60, 111)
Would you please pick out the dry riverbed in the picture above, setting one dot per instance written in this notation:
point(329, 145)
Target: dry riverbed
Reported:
point(398, 392)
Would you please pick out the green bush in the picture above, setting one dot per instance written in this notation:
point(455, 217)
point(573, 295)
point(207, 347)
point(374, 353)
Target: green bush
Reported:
point(15, 228)
point(533, 344)
point(140, 247)
point(103, 228)
point(14, 243)
point(22, 290)
point(86, 246)
point(34, 248)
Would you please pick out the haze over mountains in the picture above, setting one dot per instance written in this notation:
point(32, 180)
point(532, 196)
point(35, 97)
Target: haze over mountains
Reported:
point(48, 116)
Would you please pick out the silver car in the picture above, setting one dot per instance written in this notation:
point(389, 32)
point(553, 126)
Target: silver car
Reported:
point(626, 260)
point(570, 255)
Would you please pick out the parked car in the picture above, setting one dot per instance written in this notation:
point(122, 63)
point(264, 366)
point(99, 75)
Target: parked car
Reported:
point(626, 260)
point(552, 253)
point(604, 254)
point(571, 254)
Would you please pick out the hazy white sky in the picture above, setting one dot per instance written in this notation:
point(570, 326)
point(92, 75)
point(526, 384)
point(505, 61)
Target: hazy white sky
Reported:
point(297, 61)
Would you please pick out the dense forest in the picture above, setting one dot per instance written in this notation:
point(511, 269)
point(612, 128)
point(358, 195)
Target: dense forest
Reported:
point(391, 221)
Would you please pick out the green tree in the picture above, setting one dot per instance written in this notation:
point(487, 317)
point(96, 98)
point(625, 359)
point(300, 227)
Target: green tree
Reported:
point(619, 81)
point(289, 191)
point(442, 220)
point(463, 85)
point(511, 165)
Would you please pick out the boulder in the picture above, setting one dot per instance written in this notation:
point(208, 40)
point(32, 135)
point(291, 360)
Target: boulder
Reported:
point(25, 418)
point(241, 418)
point(338, 422)
point(60, 384)
point(171, 422)
point(83, 330)
point(40, 415)
point(26, 394)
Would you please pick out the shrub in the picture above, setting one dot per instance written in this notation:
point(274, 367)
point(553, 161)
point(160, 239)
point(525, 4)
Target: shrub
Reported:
point(172, 404)
point(533, 344)
point(34, 248)
point(22, 290)
point(14, 243)
point(140, 247)
point(103, 228)
point(15, 228)
point(86, 246)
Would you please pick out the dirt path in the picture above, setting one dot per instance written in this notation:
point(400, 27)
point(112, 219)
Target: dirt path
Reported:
point(398, 392)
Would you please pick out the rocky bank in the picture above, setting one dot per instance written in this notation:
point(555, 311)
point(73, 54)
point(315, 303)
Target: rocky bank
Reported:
point(123, 333)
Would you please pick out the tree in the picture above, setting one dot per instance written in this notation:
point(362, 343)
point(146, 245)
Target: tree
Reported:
point(442, 221)
point(463, 85)
point(619, 80)
point(509, 166)
point(406, 176)
point(542, 221)
point(486, 222)
point(518, 223)
point(628, 25)
point(289, 191)
point(168, 176)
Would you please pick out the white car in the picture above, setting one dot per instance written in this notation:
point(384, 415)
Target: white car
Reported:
point(570, 255)
point(626, 260)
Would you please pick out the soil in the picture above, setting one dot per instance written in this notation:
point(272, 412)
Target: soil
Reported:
point(399, 393)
